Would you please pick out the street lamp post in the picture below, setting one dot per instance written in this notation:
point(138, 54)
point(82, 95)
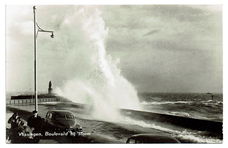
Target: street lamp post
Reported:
point(35, 55)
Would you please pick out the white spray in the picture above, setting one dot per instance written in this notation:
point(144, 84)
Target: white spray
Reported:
point(100, 84)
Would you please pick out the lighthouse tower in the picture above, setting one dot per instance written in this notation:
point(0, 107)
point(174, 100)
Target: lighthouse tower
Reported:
point(50, 88)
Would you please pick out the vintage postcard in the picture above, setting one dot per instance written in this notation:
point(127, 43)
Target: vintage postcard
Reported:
point(114, 73)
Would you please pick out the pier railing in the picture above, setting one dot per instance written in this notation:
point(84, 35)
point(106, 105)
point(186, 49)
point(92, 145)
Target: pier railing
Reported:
point(29, 99)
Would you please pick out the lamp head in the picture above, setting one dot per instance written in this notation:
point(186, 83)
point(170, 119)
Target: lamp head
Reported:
point(52, 35)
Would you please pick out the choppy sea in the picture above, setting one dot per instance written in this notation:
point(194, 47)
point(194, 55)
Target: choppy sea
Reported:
point(195, 105)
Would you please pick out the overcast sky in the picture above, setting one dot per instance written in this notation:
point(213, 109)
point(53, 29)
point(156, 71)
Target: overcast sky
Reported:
point(160, 48)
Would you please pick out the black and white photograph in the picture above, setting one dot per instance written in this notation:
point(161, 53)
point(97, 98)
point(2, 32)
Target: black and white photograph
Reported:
point(119, 74)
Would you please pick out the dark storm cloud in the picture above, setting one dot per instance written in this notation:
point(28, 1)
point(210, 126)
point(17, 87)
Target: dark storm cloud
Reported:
point(186, 44)
point(179, 12)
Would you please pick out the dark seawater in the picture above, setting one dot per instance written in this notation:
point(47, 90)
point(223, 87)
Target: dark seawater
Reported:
point(193, 105)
